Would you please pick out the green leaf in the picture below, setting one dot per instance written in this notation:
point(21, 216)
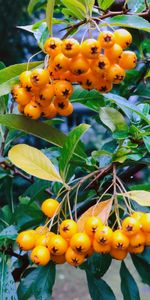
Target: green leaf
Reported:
point(96, 154)
point(125, 104)
point(9, 233)
point(49, 15)
point(142, 267)
point(41, 34)
point(76, 8)
point(130, 22)
point(28, 214)
point(97, 264)
point(39, 129)
point(146, 140)
point(98, 288)
point(91, 99)
point(113, 119)
point(7, 284)
point(33, 4)
point(105, 4)
point(10, 75)
point(70, 146)
point(38, 283)
point(136, 6)
point(129, 287)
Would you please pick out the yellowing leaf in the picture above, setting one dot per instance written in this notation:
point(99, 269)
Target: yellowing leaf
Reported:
point(140, 196)
point(33, 162)
point(101, 210)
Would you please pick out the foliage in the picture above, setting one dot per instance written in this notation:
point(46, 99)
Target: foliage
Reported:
point(65, 164)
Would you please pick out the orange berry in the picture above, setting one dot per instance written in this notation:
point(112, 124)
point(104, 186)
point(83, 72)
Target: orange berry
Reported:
point(61, 62)
point(50, 207)
point(87, 80)
point(116, 74)
point(145, 222)
point(68, 228)
point(92, 225)
point(73, 258)
point(68, 76)
point(104, 235)
point(53, 46)
point(137, 239)
point(101, 248)
point(41, 240)
point(100, 64)
point(106, 39)
point(41, 230)
point(58, 259)
point(26, 240)
point(119, 240)
point(25, 81)
point(80, 242)
point(130, 226)
point(47, 93)
point(90, 48)
point(40, 255)
point(63, 89)
point(49, 112)
point(90, 252)
point(147, 239)
point(14, 89)
point(114, 53)
point(118, 254)
point(123, 38)
point(32, 110)
point(137, 215)
point(79, 65)
point(61, 104)
point(21, 96)
point(55, 75)
point(128, 60)
point(70, 47)
point(57, 245)
point(39, 77)
point(104, 86)
point(66, 111)
point(136, 250)
point(21, 108)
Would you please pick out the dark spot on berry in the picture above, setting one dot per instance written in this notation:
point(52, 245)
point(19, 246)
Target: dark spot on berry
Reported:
point(35, 78)
point(129, 228)
point(107, 38)
point(120, 245)
point(94, 50)
point(75, 261)
point(69, 46)
point(58, 67)
point(101, 64)
point(79, 72)
point(65, 92)
point(102, 240)
point(28, 88)
point(66, 228)
point(94, 229)
point(53, 46)
point(79, 249)
point(41, 97)
point(61, 105)
point(88, 82)
point(54, 250)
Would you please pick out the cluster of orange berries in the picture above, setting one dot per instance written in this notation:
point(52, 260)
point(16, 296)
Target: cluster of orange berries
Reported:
point(94, 64)
point(73, 246)
point(38, 96)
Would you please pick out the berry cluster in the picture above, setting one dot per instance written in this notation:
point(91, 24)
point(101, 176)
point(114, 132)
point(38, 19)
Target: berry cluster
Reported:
point(94, 64)
point(73, 246)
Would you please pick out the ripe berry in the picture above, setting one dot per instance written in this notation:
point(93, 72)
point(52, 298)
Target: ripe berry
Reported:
point(104, 86)
point(21, 96)
point(98, 248)
point(90, 48)
point(118, 254)
point(145, 222)
point(58, 259)
point(53, 46)
point(123, 38)
point(79, 65)
point(92, 225)
point(73, 258)
point(137, 239)
point(66, 111)
point(104, 235)
point(80, 242)
point(114, 53)
point(41, 230)
point(46, 94)
point(87, 80)
point(106, 39)
point(100, 64)
point(130, 226)
point(137, 215)
point(32, 110)
point(50, 207)
point(49, 112)
point(116, 74)
point(119, 241)
point(128, 60)
point(63, 89)
point(26, 240)
point(68, 228)
point(61, 104)
point(61, 62)
point(39, 77)
point(21, 108)
point(25, 81)
point(70, 47)
point(136, 250)
point(147, 239)
point(57, 245)
point(40, 255)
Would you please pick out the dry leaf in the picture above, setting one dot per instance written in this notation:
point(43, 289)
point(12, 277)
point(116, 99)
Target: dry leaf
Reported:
point(101, 210)
point(140, 196)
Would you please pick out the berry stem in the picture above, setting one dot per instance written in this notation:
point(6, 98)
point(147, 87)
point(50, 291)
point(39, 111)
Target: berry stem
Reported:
point(115, 196)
